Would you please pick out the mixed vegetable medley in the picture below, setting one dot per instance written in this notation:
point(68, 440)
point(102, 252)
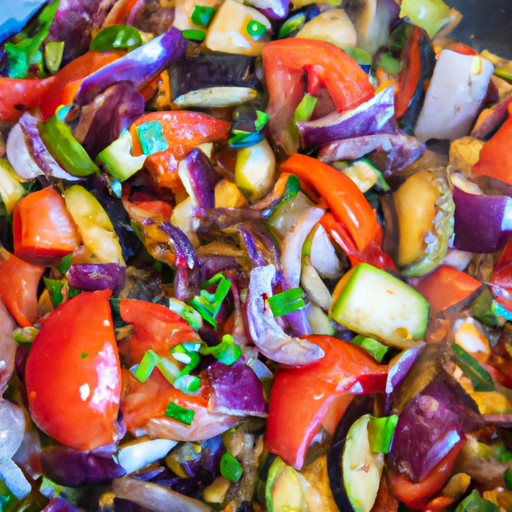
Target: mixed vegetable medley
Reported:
point(254, 256)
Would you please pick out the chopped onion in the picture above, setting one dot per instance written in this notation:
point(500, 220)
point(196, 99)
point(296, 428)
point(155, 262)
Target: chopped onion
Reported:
point(135, 456)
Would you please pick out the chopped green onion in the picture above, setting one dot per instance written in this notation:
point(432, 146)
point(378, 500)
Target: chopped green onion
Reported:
point(292, 24)
point(230, 468)
point(84, 355)
point(245, 139)
point(381, 182)
point(180, 414)
point(481, 310)
point(192, 346)
point(202, 15)
point(475, 503)
point(286, 302)
point(24, 334)
point(143, 370)
point(208, 304)
point(507, 476)
point(504, 72)
point(190, 359)
point(376, 349)
point(471, 369)
point(227, 352)
point(304, 109)
point(194, 35)
point(256, 29)
point(115, 37)
point(168, 369)
point(151, 137)
point(188, 384)
point(53, 52)
point(381, 432)
point(360, 56)
point(186, 312)
point(55, 287)
point(64, 265)
point(261, 120)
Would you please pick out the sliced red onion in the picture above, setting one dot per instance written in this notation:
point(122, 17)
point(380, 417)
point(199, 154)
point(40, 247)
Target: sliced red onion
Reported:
point(72, 468)
point(156, 497)
point(266, 334)
point(199, 178)
point(236, 390)
point(102, 121)
point(59, 505)
point(97, 276)
point(431, 424)
point(457, 89)
point(373, 116)
point(8, 346)
point(293, 242)
point(491, 119)
point(483, 224)
point(399, 149)
point(186, 256)
point(187, 283)
point(298, 323)
point(138, 67)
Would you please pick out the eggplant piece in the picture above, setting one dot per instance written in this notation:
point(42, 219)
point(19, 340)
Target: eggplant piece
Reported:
point(203, 71)
point(360, 406)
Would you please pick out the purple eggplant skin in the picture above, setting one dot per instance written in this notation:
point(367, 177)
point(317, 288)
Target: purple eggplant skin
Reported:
point(483, 224)
point(359, 406)
point(138, 67)
point(192, 72)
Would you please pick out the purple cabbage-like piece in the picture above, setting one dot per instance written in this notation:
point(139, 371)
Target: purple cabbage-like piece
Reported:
point(236, 390)
point(97, 276)
point(102, 121)
point(59, 505)
point(391, 152)
point(38, 151)
point(483, 224)
point(74, 23)
point(72, 468)
point(371, 117)
point(199, 177)
point(138, 67)
point(431, 424)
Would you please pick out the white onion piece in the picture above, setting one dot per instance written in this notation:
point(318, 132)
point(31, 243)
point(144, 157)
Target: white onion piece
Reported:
point(7, 346)
point(136, 456)
point(292, 244)
point(14, 479)
point(315, 287)
point(19, 156)
point(456, 91)
point(155, 497)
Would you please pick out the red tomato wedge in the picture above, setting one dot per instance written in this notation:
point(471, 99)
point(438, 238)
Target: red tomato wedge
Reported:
point(73, 375)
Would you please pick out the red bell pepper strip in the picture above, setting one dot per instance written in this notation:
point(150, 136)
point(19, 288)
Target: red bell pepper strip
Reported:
point(372, 254)
point(73, 375)
point(43, 229)
point(183, 130)
point(502, 272)
point(345, 200)
point(416, 495)
point(496, 155)
point(18, 289)
point(285, 62)
point(19, 95)
point(301, 397)
point(444, 287)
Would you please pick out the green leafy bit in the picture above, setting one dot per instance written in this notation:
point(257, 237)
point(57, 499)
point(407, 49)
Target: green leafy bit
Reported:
point(84, 355)
point(230, 468)
point(54, 288)
point(207, 304)
point(261, 120)
point(475, 503)
point(286, 302)
point(291, 25)
point(381, 432)
point(24, 335)
point(116, 37)
point(256, 29)
point(189, 359)
point(389, 63)
point(194, 35)
point(180, 414)
point(304, 108)
point(375, 348)
point(186, 312)
point(53, 52)
point(471, 369)
point(151, 137)
point(64, 265)
point(25, 50)
point(482, 310)
point(202, 15)
point(188, 384)
point(227, 352)
point(507, 476)
point(362, 57)
point(144, 369)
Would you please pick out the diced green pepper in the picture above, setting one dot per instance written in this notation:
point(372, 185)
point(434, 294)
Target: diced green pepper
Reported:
point(116, 37)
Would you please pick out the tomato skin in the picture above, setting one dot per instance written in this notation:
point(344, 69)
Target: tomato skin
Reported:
point(43, 229)
point(416, 496)
point(73, 375)
point(18, 289)
point(300, 398)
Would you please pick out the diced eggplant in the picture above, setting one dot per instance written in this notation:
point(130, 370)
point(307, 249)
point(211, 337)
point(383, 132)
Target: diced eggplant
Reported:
point(216, 97)
point(206, 70)
point(425, 208)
